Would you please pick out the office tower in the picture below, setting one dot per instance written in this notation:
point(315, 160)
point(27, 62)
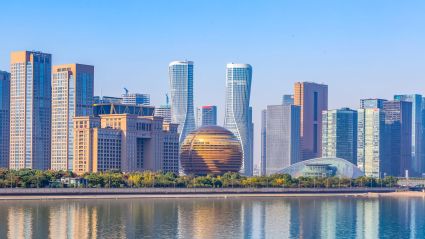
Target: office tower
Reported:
point(72, 95)
point(30, 110)
point(313, 99)
point(398, 122)
point(372, 103)
point(237, 115)
point(117, 108)
point(339, 134)
point(136, 99)
point(164, 111)
point(198, 117)
point(370, 142)
point(4, 118)
point(418, 157)
point(282, 137)
point(263, 142)
point(181, 92)
point(107, 100)
point(126, 143)
point(287, 99)
point(208, 115)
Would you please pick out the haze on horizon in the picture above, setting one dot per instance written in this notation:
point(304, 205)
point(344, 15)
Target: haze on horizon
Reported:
point(361, 49)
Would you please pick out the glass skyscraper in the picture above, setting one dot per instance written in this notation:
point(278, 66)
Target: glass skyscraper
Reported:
point(72, 95)
point(30, 110)
point(313, 99)
point(282, 137)
point(238, 116)
point(372, 103)
point(287, 99)
point(418, 159)
point(181, 93)
point(4, 118)
point(208, 115)
point(370, 142)
point(339, 134)
point(136, 99)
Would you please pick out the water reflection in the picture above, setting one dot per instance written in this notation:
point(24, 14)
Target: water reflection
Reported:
point(215, 218)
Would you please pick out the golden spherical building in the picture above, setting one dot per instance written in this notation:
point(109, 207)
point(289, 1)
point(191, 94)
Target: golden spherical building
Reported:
point(210, 150)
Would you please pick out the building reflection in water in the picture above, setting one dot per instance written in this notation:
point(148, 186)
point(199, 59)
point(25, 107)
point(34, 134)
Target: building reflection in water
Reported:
point(330, 217)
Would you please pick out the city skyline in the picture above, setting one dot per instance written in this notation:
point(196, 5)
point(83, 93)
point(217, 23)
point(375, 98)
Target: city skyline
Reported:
point(346, 45)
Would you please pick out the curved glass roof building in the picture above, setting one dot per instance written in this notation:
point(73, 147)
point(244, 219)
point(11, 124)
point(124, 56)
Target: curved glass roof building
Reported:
point(181, 93)
point(238, 117)
point(210, 150)
point(323, 167)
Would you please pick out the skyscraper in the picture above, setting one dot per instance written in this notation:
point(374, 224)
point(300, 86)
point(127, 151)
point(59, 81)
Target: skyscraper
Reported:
point(181, 93)
point(164, 111)
point(372, 103)
point(287, 99)
point(339, 134)
point(4, 118)
point(418, 157)
point(208, 115)
point(30, 110)
point(72, 95)
point(282, 137)
point(313, 99)
point(238, 116)
point(398, 123)
point(263, 142)
point(370, 142)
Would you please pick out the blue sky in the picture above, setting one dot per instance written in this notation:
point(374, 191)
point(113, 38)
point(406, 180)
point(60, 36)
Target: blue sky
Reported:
point(359, 48)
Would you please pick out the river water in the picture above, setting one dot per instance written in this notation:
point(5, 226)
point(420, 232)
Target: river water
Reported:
point(298, 217)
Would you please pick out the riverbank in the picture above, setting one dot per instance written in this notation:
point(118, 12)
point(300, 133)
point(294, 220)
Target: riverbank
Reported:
point(117, 193)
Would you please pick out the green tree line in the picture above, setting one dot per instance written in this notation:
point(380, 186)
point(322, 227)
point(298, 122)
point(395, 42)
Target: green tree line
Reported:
point(27, 178)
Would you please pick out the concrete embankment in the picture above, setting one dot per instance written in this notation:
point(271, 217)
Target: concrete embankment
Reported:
point(97, 193)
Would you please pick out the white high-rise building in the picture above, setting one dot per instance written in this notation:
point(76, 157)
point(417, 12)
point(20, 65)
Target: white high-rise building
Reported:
point(30, 110)
point(72, 95)
point(237, 111)
point(181, 93)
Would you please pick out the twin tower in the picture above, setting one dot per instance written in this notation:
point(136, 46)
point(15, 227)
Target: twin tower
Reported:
point(238, 112)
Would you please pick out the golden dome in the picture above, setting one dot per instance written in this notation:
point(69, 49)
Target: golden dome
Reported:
point(211, 150)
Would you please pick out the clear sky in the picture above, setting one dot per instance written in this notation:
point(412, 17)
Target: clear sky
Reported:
point(359, 48)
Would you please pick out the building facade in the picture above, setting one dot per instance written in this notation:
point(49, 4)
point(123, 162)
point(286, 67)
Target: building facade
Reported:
point(72, 95)
point(208, 115)
point(181, 93)
point(263, 143)
point(372, 103)
point(370, 142)
point(238, 116)
point(313, 99)
point(30, 110)
point(115, 108)
point(4, 118)
point(418, 157)
point(398, 123)
point(339, 134)
point(136, 99)
point(282, 137)
point(287, 99)
point(137, 142)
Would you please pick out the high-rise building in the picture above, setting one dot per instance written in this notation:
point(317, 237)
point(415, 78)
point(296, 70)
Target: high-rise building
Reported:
point(30, 110)
point(125, 142)
point(282, 137)
point(136, 99)
point(107, 100)
point(370, 142)
point(287, 99)
point(164, 111)
point(112, 108)
point(238, 116)
point(181, 93)
point(72, 95)
point(339, 134)
point(418, 152)
point(4, 118)
point(372, 103)
point(208, 115)
point(198, 117)
point(263, 142)
point(398, 123)
point(313, 99)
